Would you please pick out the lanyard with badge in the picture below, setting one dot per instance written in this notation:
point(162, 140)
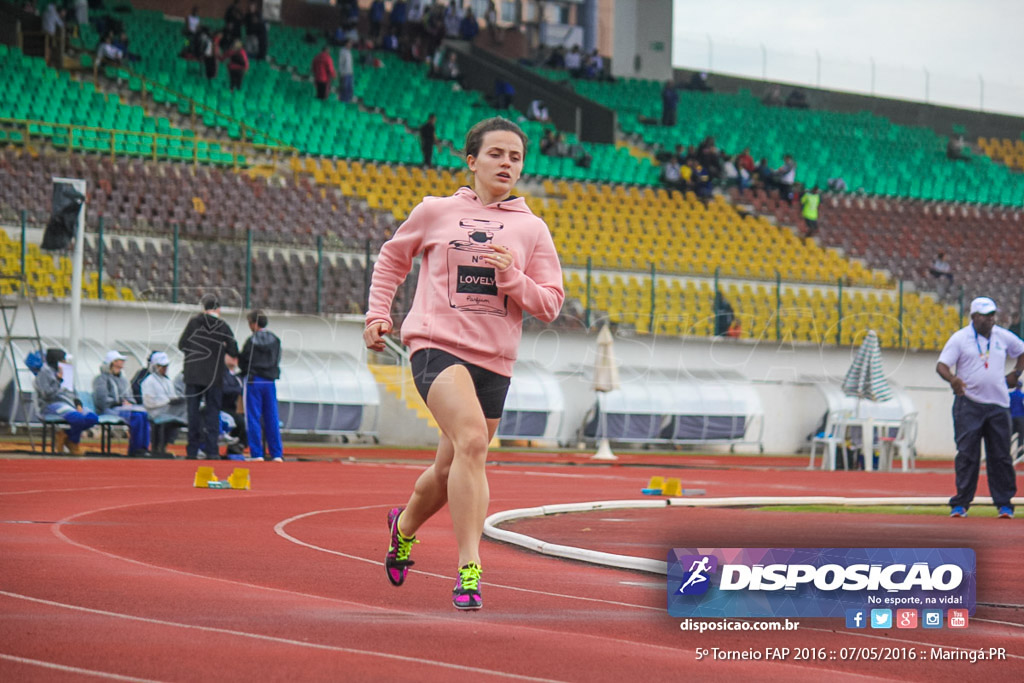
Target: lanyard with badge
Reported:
point(983, 356)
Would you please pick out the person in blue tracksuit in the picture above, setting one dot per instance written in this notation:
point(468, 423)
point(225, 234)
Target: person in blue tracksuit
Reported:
point(260, 362)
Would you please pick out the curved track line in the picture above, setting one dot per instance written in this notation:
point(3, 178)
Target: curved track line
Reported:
point(75, 670)
point(279, 530)
point(282, 641)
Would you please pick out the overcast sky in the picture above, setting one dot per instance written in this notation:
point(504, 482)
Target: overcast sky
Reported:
point(955, 40)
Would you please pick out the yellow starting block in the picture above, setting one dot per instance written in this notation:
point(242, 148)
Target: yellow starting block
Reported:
point(673, 488)
point(239, 479)
point(204, 475)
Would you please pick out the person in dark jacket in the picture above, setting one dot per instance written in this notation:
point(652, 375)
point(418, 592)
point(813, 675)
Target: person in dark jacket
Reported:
point(204, 342)
point(260, 362)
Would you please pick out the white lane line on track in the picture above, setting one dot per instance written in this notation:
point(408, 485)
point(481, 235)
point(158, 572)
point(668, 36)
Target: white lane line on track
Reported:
point(279, 530)
point(234, 582)
point(75, 670)
point(279, 640)
point(350, 603)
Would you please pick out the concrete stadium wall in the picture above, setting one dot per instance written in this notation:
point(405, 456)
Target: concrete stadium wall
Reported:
point(783, 374)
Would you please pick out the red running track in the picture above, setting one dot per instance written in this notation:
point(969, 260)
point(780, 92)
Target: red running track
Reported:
point(122, 569)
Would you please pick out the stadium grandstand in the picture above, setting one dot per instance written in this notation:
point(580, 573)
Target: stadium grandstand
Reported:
point(279, 200)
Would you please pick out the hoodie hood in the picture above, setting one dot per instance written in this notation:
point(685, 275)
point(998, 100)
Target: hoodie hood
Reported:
point(512, 203)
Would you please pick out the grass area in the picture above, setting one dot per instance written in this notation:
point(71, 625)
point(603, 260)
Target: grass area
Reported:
point(932, 510)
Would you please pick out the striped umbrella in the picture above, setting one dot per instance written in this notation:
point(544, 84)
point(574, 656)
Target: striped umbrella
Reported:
point(865, 378)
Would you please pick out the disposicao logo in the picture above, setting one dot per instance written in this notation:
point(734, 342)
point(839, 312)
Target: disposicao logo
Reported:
point(697, 579)
point(817, 582)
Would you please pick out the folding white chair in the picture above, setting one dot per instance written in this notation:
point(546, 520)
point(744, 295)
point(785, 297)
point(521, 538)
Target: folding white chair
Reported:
point(833, 438)
point(902, 442)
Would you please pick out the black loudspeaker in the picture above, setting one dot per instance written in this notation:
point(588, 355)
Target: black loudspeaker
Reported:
point(60, 230)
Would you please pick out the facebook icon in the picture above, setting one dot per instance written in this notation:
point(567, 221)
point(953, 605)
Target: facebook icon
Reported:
point(856, 618)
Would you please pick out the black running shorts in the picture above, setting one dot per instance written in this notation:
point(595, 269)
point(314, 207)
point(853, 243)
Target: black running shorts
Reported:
point(491, 388)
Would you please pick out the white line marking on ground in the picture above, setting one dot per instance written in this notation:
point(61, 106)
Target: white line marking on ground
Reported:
point(75, 670)
point(276, 639)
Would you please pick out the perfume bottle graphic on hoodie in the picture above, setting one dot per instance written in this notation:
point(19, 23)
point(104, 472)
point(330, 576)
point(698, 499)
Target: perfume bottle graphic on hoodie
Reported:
point(471, 284)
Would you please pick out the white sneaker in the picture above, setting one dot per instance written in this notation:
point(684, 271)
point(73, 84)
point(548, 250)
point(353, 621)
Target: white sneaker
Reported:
point(278, 460)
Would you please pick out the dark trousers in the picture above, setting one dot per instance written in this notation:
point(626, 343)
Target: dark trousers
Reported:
point(1018, 429)
point(235, 77)
point(973, 423)
point(204, 425)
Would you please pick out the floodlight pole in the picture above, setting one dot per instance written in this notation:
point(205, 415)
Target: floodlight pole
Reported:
point(76, 269)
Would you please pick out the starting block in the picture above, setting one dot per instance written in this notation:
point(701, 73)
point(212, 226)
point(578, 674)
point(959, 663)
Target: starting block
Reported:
point(206, 479)
point(660, 486)
point(239, 479)
point(204, 475)
point(673, 488)
point(654, 486)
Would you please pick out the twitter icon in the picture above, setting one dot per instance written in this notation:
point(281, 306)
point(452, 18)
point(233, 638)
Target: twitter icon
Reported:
point(881, 618)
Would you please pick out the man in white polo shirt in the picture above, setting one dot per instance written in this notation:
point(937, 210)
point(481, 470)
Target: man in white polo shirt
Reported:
point(981, 409)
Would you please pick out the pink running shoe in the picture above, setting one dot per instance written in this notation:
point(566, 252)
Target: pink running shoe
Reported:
point(397, 561)
point(466, 594)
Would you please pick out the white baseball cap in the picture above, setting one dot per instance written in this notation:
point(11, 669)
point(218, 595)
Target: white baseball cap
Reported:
point(983, 305)
point(112, 356)
point(159, 358)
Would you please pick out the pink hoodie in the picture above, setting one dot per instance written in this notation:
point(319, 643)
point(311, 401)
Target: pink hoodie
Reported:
point(463, 305)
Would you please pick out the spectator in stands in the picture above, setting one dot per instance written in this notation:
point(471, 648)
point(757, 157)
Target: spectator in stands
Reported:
point(836, 185)
point(53, 23)
point(399, 14)
point(449, 69)
point(671, 174)
point(539, 111)
point(955, 149)
point(462, 360)
point(255, 32)
point(192, 21)
point(943, 274)
point(54, 399)
point(390, 41)
point(773, 96)
point(121, 43)
point(574, 61)
point(81, 12)
point(428, 138)
point(809, 203)
point(593, 66)
point(1017, 418)
point(323, 72)
point(797, 99)
point(981, 409)
point(699, 82)
point(547, 143)
point(745, 162)
point(233, 19)
point(238, 64)
point(556, 60)
point(700, 181)
point(107, 52)
point(205, 341)
point(491, 19)
point(724, 315)
point(469, 26)
point(503, 94)
point(710, 157)
point(112, 395)
point(260, 363)
point(346, 72)
point(376, 17)
point(730, 172)
point(209, 46)
point(784, 177)
point(669, 104)
point(763, 173)
point(29, 7)
point(162, 401)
